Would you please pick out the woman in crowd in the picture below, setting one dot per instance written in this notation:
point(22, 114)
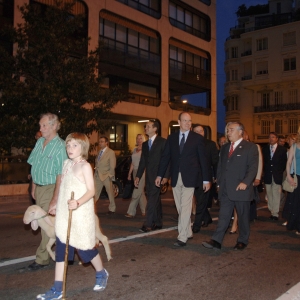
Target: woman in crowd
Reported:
point(138, 195)
point(291, 210)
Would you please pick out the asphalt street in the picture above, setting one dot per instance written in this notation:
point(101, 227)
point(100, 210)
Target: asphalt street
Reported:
point(148, 266)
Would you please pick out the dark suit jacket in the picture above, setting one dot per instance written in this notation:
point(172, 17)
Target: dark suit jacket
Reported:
point(150, 161)
point(192, 162)
point(275, 166)
point(240, 167)
point(213, 156)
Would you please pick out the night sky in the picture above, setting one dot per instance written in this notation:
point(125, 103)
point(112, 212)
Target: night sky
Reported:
point(226, 18)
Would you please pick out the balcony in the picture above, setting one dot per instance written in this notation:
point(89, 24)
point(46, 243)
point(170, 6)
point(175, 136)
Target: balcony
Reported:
point(190, 108)
point(117, 53)
point(144, 100)
point(190, 75)
point(262, 72)
point(144, 8)
point(249, 77)
point(246, 53)
point(273, 108)
point(202, 35)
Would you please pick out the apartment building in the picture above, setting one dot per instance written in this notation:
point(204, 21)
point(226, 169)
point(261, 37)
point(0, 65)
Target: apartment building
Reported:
point(262, 69)
point(161, 52)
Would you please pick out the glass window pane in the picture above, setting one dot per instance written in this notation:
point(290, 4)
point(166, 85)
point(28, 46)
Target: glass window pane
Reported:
point(172, 10)
point(121, 33)
point(109, 29)
point(180, 55)
point(144, 42)
point(180, 14)
point(132, 38)
point(189, 18)
point(173, 52)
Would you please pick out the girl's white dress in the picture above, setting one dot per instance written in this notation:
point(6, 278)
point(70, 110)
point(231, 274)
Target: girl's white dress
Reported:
point(82, 235)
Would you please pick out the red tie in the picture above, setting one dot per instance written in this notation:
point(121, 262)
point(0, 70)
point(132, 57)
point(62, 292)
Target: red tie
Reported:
point(231, 149)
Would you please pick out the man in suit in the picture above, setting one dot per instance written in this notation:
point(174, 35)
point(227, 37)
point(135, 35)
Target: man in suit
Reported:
point(275, 158)
point(151, 153)
point(105, 165)
point(237, 168)
point(185, 151)
point(202, 199)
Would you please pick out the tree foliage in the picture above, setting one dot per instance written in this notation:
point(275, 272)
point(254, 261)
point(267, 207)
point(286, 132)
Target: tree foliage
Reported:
point(48, 73)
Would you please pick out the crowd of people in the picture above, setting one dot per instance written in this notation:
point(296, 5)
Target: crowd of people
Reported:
point(197, 168)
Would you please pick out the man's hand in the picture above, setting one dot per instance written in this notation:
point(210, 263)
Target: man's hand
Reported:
point(164, 180)
point(256, 182)
point(206, 187)
point(242, 186)
point(158, 181)
point(136, 182)
point(52, 207)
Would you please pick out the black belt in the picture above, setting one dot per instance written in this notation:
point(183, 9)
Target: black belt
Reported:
point(41, 185)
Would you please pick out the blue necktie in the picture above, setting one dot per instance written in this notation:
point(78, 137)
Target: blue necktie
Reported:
point(149, 144)
point(182, 143)
point(100, 154)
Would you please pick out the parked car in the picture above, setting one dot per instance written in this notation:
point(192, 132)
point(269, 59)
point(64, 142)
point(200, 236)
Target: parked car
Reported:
point(121, 174)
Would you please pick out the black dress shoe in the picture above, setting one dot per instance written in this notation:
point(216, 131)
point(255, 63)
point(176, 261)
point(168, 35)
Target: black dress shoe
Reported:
point(195, 229)
point(206, 223)
point(179, 244)
point(240, 246)
point(212, 245)
point(144, 229)
point(109, 213)
point(35, 266)
point(155, 227)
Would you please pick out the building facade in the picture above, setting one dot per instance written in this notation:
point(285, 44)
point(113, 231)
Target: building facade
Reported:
point(159, 52)
point(262, 88)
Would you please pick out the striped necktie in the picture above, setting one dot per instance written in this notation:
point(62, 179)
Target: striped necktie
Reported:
point(231, 149)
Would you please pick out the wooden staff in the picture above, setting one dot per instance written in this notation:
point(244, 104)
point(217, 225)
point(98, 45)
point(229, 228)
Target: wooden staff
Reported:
point(67, 251)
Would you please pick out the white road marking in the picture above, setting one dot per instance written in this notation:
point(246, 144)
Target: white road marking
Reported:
point(118, 240)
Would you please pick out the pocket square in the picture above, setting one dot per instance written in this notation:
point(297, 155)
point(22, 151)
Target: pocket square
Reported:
point(239, 155)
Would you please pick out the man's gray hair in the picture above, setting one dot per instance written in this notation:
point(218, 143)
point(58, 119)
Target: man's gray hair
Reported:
point(240, 126)
point(53, 119)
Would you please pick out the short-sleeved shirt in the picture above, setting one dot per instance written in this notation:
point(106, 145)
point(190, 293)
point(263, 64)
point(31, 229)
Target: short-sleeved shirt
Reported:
point(46, 163)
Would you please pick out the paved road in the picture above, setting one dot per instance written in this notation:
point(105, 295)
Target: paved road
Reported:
point(148, 266)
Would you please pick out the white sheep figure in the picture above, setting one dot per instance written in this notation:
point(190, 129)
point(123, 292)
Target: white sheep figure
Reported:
point(39, 218)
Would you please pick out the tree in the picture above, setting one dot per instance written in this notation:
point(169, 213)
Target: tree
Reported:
point(49, 73)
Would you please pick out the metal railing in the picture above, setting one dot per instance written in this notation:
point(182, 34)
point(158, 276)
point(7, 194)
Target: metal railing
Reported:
point(279, 107)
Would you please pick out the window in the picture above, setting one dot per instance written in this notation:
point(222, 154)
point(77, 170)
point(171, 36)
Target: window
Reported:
point(293, 96)
point(262, 68)
point(265, 100)
point(289, 64)
point(265, 127)
point(293, 125)
point(277, 99)
point(278, 126)
point(234, 102)
point(117, 136)
point(188, 19)
point(227, 54)
point(190, 62)
point(262, 44)
point(234, 75)
point(289, 38)
point(124, 35)
point(234, 52)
